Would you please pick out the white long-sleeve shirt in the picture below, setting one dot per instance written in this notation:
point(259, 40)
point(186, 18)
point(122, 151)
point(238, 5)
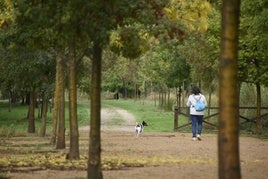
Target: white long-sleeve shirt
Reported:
point(191, 103)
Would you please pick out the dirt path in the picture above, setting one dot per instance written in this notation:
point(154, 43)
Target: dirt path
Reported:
point(159, 155)
point(115, 119)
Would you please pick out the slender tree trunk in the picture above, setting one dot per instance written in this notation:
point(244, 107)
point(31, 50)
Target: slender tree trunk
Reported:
point(135, 93)
point(258, 89)
point(156, 97)
point(61, 129)
point(124, 89)
point(228, 136)
point(145, 89)
point(31, 125)
point(56, 103)
point(177, 97)
point(10, 101)
point(159, 99)
point(27, 102)
point(39, 106)
point(74, 135)
point(258, 112)
point(209, 97)
point(44, 118)
point(94, 155)
point(168, 99)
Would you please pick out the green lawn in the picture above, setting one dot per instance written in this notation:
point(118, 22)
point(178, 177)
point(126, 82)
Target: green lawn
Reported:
point(158, 120)
point(15, 123)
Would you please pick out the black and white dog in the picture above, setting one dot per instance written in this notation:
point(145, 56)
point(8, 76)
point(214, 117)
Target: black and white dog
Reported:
point(139, 128)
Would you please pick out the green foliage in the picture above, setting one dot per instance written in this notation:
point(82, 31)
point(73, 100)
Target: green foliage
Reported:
point(22, 71)
point(202, 52)
point(253, 53)
point(189, 15)
point(129, 41)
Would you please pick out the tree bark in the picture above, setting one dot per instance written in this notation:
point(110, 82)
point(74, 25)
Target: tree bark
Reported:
point(44, 118)
point(56, 103)
point(74, 135)
point(61, 117)
point(258, 111)
point(10, 101)
point(228, 136)
point(31, 124)
point(124, 88)
point(94, 155)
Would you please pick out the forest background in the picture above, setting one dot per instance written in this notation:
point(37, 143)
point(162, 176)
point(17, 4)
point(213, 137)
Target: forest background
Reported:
point(147, 50)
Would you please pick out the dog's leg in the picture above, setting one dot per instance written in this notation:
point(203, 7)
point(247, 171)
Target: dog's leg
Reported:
point(136, 132)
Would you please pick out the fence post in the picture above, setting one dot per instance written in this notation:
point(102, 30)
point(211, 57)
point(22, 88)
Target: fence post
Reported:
point(177, 109)
point(176, 112)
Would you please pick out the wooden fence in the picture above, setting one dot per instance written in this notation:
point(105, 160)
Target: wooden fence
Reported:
point(184, 111)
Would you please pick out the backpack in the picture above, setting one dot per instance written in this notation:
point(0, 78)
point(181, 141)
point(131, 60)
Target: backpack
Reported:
point(199, 105)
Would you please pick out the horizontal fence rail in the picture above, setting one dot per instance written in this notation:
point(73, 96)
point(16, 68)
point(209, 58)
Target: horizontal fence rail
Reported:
point(181, 111)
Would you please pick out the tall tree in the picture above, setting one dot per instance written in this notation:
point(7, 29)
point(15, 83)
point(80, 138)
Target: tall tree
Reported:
point(74, 135)
point(94, 162)
point(228, 136)
point(106, 16)
point(56, 100)
point(44, 117)
point(31, 124)
point(253, 54)
point(60, 142)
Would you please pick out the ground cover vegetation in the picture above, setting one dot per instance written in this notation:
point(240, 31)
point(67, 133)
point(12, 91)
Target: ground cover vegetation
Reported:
point(141, 49)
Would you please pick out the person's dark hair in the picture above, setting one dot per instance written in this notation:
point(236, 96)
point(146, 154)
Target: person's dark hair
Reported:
point(196, 90)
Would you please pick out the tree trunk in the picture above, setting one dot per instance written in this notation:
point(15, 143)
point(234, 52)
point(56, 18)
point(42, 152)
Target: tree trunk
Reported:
point(209, 98)
point(61, 117)
point(258, 112)
point(124, 89)
point(74, 135)
point(10, 101)
point(31, 124)
point(44, 118)
point(39, 106)
point(56, 102)
point(94, 154)
point(228, 136)
point(168, 100)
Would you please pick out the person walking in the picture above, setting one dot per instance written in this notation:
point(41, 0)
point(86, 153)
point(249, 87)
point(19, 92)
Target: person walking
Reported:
point(196, 116)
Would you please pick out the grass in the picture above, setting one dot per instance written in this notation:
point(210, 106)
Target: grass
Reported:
point(15, 123)
point(158, 120)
